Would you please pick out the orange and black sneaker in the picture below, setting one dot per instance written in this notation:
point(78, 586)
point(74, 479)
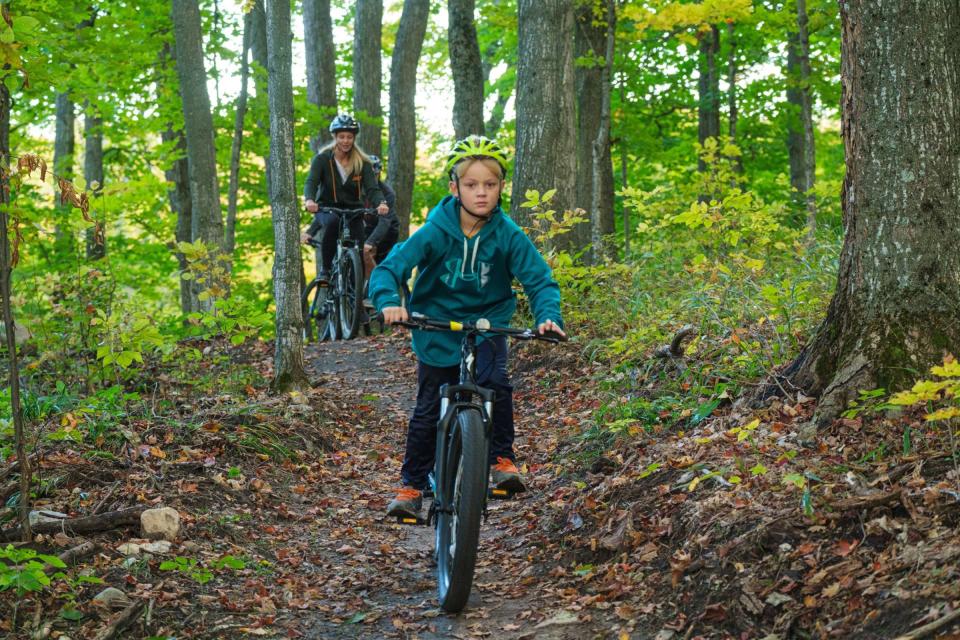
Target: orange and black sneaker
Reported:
point(505, 475)
point(407, 504)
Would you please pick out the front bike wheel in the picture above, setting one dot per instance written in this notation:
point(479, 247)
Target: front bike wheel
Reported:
point(318, 312)
point(458, 531)
point(351, 296)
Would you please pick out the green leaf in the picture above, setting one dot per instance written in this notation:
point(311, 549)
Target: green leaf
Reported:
point(53, 561)
point(758, 469)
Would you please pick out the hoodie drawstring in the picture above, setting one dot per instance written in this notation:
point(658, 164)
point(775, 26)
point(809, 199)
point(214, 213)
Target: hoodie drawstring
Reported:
point(473, 262)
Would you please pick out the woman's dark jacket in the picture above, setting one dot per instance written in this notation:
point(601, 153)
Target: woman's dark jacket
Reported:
point(324, 186)
point(379, 226)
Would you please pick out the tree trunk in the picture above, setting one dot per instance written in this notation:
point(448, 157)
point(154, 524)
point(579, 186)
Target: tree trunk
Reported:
point(732, 112)
point(181, 204)
point(603, 224)
point(588, 41)
point(234, 184)
point(403, 87)
point(895, 307)
point(623, 178)
point(93, 174)
point(206, 218)
point(321, 63)
point(19, 435)
point(288, 356)
point(367, 74)
point(708, 88)
point(806, 117)
point(545, 105)
point(258, 54)
point(466, 69)
point(63, 151)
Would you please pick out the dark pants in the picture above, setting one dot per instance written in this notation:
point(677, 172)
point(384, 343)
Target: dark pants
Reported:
point(422, 431)
point(386, 242)
point(330, 224)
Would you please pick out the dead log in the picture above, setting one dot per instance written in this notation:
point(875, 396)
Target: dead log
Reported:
point(932, 627)
point(89, 524)
point(121, 620)
point(675, 348)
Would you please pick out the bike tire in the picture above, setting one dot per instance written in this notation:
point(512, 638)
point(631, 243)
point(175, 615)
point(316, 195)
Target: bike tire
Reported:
point(458, 533)
point(317, 312)
point(351, 296)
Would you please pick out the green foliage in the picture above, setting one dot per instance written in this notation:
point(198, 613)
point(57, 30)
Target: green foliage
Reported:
point(197, 571)
point(25, 570)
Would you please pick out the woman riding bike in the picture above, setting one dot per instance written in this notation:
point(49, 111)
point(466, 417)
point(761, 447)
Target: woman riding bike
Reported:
point(341, 176)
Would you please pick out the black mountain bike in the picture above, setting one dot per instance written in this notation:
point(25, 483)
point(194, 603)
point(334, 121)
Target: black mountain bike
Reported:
point(335, 310)
point(461, 470)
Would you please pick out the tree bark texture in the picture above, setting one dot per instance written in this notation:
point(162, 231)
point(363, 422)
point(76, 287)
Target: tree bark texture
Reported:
point(288, 355)
point(402, 149)
point(258, 54)
point(895, 309)
point(234, 183)
point(367, 74)
point(207, 217)
point(9, 326)
point(93, 174)
point(178, 175)
point(466, 69)
point(546, 136)
point(603, 224)
point(793, 111)
point(321, 63)
point(63, 160)
point(708, 88)
point(588, 41)
point(806, 118)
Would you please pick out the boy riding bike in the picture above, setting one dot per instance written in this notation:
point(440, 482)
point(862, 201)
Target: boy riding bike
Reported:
point(467, 255)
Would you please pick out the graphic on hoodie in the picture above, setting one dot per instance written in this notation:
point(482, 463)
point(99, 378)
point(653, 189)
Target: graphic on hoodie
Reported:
point(457, 268)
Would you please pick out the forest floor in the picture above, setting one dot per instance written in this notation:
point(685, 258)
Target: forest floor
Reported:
point(717, 531)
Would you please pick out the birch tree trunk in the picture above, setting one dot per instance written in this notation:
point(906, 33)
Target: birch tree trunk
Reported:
point(402, 150)
point(321, 63)
point(367, 74)
point(895, 309)
point(206, 218)
point(546, 136)
point(466, 68)
point(288, 355)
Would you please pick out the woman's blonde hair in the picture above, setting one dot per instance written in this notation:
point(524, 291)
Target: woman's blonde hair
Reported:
point(357, 156)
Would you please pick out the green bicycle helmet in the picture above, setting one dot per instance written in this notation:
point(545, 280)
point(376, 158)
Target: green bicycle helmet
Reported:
point(475, 147)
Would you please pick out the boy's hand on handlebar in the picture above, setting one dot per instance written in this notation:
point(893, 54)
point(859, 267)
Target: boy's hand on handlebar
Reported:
point(304, 238)
point(383, 209)
point(552, 326)
point(311, 206)
point(393, 315)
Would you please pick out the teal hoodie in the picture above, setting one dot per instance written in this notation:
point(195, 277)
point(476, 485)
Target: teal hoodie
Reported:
point(464, 279)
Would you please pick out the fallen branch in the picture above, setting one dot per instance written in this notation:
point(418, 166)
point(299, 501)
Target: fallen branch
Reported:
point(89, 524)
point(866, 502)
point(675, 348)
point(77, 553)
point(930, 628)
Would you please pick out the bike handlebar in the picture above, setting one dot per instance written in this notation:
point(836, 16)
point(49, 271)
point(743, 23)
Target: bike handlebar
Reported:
point(420, 321)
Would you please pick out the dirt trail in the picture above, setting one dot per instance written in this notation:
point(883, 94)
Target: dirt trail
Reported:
point(378, 576)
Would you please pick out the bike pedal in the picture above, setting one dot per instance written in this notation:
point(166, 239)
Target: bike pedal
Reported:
point(499, 494)
point(411, 521)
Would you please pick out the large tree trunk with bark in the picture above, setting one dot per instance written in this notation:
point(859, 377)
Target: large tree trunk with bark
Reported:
point(288, 357)
point(603, 224)
point(63, 157)
point(367, 74)
point(93, 174)
point(206, 218)
point(793, 109)
point(895, 311)
point(466, 69)
point(403, 88)
point(321, 63)
point(178, 175)
point(588, 40)
point(708, 88)
point(545, 106)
